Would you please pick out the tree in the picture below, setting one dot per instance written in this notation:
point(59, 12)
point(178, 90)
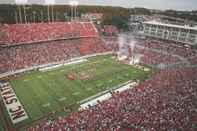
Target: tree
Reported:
point(117, 21)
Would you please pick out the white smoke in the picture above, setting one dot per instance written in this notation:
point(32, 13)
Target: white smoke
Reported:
point(127, 46)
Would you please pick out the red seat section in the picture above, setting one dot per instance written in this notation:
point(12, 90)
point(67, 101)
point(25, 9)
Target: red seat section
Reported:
point(34, 32)
point(24, 56)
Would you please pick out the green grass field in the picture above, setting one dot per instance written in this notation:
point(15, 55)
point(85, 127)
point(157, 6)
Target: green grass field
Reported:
point(43, 92)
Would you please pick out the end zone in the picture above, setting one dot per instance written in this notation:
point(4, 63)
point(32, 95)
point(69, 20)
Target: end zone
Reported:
point(14, 107)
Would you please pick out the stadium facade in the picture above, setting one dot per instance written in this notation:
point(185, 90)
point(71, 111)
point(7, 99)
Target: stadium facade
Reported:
point(177, 33)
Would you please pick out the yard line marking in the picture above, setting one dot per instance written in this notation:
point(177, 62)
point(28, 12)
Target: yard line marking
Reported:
point(46, 105)
point(100, 84)
point(62, 70)
point(39, 76)
point(76, 93)
point(25, 80)
point(52, 73)
point(62, 99)
point(110, 81)
point(89, 89)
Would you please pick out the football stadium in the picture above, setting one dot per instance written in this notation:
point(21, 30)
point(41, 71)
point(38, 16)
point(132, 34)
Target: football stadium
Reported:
point(72, 67)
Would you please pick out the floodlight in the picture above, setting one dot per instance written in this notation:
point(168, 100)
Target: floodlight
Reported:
point(50, 2)
point(73, 3)
point(21, 2)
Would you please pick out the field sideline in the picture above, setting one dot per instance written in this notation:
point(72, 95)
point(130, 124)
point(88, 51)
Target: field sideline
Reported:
point(44, 92)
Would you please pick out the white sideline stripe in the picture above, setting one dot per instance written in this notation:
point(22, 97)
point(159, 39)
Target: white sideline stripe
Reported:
point(146, 69)
point(107, 96)
point(75, 61)
point(142, 68)
point(126, 87)
point(9, 73)
point(59, 65)
point(95, 101)
point(49, 68)
point(46, 105)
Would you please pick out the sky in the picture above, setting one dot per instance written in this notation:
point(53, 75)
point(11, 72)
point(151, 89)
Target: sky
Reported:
point(152, 4)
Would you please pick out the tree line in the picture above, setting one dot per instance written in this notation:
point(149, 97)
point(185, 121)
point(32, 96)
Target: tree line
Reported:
point(117, 16)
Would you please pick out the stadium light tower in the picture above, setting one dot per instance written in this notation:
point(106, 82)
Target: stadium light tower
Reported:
point(20, 2)
point(73, 5)
point(16, 17)
point(50, 3)
point(24, 9)
point(34, 16)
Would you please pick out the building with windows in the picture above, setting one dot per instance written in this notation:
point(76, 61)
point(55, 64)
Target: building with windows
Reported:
point(177, 33)
point(95, 17)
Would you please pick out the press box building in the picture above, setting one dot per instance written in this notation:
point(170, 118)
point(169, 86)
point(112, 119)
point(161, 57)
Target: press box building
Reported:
point(177, 33)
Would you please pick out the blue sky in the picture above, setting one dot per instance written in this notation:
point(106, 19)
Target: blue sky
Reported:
point(154, 4)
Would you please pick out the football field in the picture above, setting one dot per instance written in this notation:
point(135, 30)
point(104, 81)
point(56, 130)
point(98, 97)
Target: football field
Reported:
point(44, 92)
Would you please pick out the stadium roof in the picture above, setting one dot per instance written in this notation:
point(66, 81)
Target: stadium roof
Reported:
point(153, 22)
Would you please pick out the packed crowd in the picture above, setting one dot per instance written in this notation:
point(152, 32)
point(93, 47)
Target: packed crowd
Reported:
point(24, 56)
point(154, 58)
point(109, 30)
point(193, 60)
point(154, 52)
point(34, 32)
point(112, 42)
point(169, 47)
point(27, 45)
point(165, 102)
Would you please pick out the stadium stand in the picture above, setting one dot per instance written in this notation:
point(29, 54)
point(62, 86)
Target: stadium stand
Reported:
point(110, 30)
point(27, 55)
point(153, 58)
point(169, 47)
point(29, 33)
point(24, 56)
point(154, 52)
point(26, 45)
point(193, 60)
point(165, 102)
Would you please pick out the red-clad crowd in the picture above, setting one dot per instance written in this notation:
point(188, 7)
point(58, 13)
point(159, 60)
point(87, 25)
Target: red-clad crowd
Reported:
point(154, 58)
point(157, 52)
point(193, 60)
point(167, 101)
point(112, 42)
point(24, 56)
point(170, 47)
point(110, 30)
point(33, 32)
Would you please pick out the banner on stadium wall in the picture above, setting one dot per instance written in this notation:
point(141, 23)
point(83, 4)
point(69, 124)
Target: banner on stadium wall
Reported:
point(14, 107)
